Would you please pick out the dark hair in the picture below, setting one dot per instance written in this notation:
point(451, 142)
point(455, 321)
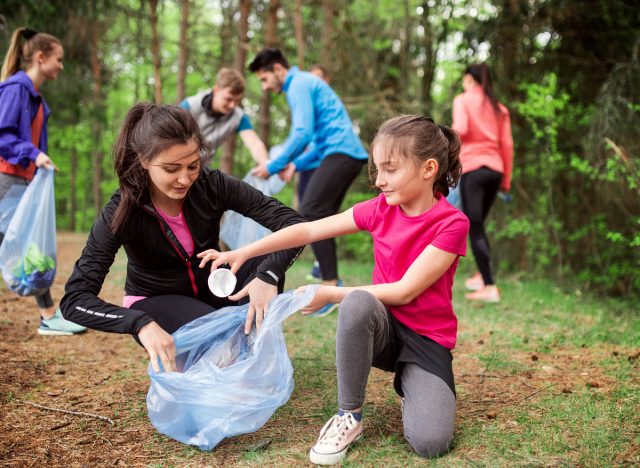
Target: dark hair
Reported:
point(419, 138)
point(267, 58)
point(481, 75)
point(323, 70)
point(147, 130)
point(19, 54)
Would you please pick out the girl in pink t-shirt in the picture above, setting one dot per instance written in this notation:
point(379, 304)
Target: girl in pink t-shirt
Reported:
point(404, 321)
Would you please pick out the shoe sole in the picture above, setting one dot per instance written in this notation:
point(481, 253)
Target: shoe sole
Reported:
point(57, 333)
point(332, 458)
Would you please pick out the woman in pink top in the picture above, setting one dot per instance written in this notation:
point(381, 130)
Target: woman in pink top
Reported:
point(403, 322)
point(484, 127)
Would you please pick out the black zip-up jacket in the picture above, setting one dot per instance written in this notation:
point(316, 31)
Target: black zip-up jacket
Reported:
point(157, 263)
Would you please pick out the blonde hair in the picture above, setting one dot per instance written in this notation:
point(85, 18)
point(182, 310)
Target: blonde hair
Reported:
point(20, 54)
point(229, 78)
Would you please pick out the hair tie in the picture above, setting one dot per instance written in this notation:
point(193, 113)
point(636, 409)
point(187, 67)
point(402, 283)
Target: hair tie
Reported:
point(28, 33)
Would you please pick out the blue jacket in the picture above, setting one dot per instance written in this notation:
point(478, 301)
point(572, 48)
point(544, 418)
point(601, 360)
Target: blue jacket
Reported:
point(19, 102)
point(317, 115)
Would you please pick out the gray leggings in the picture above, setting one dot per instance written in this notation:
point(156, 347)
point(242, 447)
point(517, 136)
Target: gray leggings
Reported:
point(363, 339)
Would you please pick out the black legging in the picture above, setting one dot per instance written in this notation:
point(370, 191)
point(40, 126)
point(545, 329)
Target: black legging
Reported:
point(478, 190)
point(323, 197)
point(171, 311)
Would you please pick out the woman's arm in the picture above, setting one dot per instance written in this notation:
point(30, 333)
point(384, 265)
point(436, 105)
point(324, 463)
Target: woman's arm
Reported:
point(15, 119)
point(292, 236)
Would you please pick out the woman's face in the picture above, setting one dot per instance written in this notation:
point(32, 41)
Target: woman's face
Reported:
point(173, 171)
point(468, 82)
point(50, 65)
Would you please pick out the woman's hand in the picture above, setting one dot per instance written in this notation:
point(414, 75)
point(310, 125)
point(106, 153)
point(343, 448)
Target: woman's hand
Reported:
point(324, 295)
point(287, 173)
point(234, 258)
point(42, 160)
point(260, 295)
point(159, 344)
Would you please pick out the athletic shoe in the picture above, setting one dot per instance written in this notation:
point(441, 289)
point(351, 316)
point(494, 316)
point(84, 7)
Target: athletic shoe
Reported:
point(326, 310)
point(315, 274)
point(57, 325)
point(486, 294)
point(336, 437)
point(474, 283)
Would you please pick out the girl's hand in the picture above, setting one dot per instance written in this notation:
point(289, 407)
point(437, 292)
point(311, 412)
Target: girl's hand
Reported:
point(234, 258)
point(260, 295)
point(159, 344)
point(324, 295)
point(287, 173)
point(42, 160)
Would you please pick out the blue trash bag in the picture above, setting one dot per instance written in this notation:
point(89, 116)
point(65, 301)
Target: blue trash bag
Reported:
point(28, 251)
point(227, 383)
point(237, 230)
point(8, 205)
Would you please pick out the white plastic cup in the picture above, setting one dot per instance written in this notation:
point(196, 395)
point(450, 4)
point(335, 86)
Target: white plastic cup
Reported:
point(222, 282)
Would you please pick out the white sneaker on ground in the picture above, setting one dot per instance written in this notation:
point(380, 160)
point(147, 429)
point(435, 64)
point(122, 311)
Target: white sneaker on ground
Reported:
point(336, 437)
point(57, 325)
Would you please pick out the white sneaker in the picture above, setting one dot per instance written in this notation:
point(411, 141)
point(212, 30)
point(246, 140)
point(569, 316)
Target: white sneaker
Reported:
point(336, 437)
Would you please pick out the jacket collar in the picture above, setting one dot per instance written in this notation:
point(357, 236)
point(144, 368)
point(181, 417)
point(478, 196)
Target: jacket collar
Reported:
point(287, 79)
point(22, 79)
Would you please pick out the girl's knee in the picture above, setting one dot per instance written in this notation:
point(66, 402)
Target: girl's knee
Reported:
point(356, 307)
point(430, 445)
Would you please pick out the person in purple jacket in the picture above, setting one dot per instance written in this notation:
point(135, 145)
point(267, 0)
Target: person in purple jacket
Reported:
point(23, 133)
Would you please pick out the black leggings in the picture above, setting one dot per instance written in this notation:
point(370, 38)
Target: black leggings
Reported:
point(323, 197)
point(478, 191)
point(171, 311)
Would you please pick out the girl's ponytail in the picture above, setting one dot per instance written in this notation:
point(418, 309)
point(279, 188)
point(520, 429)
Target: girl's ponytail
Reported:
point(449, 173)
point(22, 52)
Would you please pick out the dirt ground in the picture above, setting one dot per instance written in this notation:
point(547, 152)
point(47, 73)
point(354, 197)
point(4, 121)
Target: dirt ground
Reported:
point(97, 376)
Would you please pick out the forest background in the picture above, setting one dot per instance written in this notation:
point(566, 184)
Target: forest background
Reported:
point(568, 70)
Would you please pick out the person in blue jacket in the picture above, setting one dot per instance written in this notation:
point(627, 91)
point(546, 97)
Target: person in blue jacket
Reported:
point(319, 116)
point(23, 133)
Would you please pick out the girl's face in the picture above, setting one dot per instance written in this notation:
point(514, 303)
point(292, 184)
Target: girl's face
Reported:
point(50, 65)
point(402, 180)
point(173, 171)
point(468, 82)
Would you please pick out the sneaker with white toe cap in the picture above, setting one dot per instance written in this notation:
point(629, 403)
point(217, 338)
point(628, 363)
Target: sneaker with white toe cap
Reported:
point(336, 437)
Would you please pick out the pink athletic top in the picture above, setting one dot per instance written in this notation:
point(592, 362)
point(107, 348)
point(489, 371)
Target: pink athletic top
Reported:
point(179, 227)
point(486, 137)
point(398, 239)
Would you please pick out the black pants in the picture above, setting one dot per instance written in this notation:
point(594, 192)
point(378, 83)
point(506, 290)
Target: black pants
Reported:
point(171, 311)
point(478, 191)
point(323, 197)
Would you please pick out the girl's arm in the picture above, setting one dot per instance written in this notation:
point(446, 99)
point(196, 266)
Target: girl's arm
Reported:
point(430, 265)
point(255, 146)
point(289, 237)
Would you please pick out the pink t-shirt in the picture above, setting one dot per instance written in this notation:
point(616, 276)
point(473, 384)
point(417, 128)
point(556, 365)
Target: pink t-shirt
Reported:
point(179, 227)
point(398, 240)
point(486, 137)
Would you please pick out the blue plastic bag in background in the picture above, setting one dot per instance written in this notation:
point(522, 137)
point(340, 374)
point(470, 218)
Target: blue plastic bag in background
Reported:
point(28, 251)
point(8, 205)
point(227, 383)
point(237, 230)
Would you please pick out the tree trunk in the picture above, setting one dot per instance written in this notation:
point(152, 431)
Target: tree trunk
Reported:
point(73, 197)
point(270, 39)
point(299, 32)
point(97, 117)
point(226, 161)
point(155, 50)
point(183, 53)
point(328, 10)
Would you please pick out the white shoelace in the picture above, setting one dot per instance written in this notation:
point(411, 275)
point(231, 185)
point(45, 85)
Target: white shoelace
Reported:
point(336, 428)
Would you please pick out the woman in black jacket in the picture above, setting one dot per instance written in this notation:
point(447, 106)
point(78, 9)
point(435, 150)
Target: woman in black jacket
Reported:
point(168, 209)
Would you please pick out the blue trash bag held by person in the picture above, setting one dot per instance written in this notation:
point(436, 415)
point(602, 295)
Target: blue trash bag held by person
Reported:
point(28, 250)
point(227, 383)
point(8, 205)
point(237, 230)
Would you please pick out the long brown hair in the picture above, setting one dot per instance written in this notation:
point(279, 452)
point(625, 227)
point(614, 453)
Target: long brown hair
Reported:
point(21, 54)
point(419, 138)
point(148, 130)
point(481, 75)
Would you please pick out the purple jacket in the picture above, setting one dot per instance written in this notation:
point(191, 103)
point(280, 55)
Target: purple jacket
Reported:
point(19, 102)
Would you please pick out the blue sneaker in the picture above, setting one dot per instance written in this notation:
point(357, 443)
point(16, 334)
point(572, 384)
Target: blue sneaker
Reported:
point(315, 274)
point(57, 325)
point(326, 310)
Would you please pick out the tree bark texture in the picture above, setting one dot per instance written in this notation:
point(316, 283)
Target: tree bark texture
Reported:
point(155, 50)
